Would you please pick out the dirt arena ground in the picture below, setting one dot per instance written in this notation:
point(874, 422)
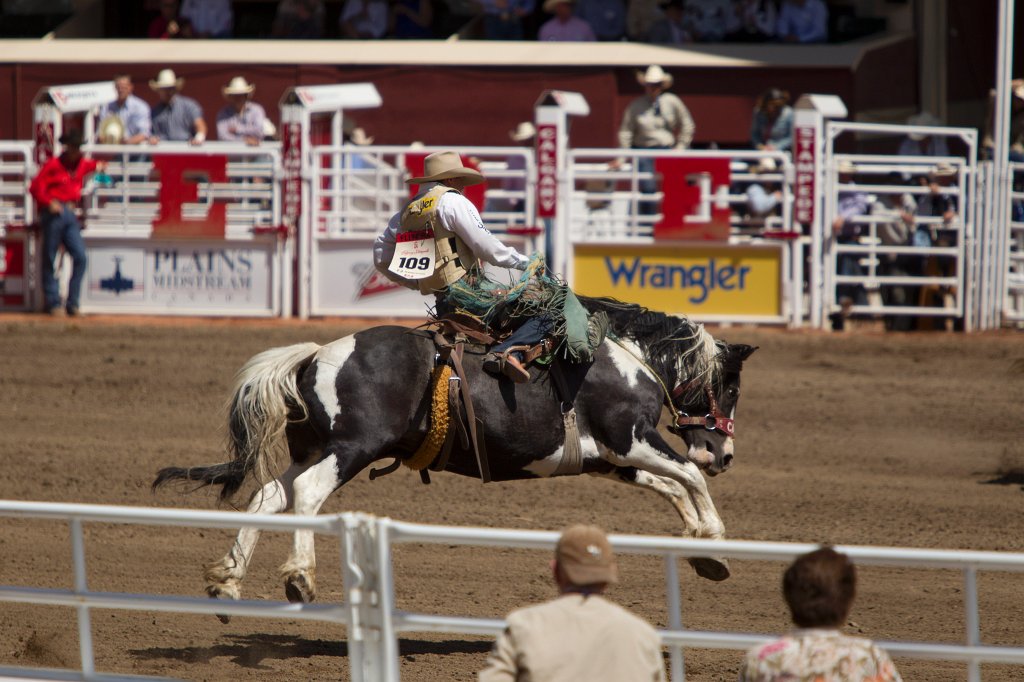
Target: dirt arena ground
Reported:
point(898, 440)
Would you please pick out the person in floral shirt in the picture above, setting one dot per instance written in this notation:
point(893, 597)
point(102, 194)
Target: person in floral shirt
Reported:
point(819, 588)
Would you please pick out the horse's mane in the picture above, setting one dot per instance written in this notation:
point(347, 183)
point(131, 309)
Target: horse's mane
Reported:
point(674, 346)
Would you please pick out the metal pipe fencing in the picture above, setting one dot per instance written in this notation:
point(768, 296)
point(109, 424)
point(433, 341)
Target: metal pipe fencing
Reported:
point(374, 623)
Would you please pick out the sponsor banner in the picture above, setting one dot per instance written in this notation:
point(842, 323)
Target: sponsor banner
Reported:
point(215, 276)
point(804, 158)
point(693, 278)
point(346, 283)
point(82, 96)
point(547, 170)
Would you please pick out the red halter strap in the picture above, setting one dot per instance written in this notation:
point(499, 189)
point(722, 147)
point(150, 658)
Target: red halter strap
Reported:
point(714, 420)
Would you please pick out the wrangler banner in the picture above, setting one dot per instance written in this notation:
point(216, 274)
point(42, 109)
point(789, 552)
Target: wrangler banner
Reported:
point(698, 279)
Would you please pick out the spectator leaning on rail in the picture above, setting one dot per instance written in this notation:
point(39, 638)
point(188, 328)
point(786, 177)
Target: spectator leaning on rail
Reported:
point(436, 241)
point(242, 119)
point(819, 588)
point(772, 125)
point(579, 635)
point(564, 26)
point(655, 120)
point(802, 21)
point(176, 118)
point(130, 110)
point(57, 189)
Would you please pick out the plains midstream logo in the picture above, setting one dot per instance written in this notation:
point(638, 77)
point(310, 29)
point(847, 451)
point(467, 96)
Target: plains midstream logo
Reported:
point(702, 277)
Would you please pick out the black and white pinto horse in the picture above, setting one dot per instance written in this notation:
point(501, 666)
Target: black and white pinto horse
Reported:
point(343, 406)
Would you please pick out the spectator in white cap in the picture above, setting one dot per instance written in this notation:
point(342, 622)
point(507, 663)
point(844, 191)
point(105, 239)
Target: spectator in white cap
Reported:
point(579, 635)
point(564, 26)
point(655, 120)
point(176, 118)
point(242, 119)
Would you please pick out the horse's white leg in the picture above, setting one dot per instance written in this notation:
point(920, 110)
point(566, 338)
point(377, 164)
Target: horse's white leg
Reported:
point(311, 488)
point(671, 490)
point(224, 577)
point(650, 454)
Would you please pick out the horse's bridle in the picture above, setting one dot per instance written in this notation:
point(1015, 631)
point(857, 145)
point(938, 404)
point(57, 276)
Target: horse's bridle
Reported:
point(714, 420)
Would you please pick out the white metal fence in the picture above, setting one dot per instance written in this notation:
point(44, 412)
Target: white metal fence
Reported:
point(898, 231)
point(17, 242)
point(374, 623)
point(1013, 250)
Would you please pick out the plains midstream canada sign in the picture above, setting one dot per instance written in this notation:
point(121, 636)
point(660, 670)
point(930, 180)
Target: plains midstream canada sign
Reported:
point(715, 280)
point(213, 276)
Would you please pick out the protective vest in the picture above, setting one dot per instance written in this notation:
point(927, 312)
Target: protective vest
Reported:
point(452, 257)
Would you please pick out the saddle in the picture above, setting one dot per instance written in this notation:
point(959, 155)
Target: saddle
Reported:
point(452, 334)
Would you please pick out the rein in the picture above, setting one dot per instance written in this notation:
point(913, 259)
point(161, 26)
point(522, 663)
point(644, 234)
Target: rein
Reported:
point(714, 420)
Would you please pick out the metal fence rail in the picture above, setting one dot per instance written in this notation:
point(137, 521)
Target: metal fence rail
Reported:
point(374, 623)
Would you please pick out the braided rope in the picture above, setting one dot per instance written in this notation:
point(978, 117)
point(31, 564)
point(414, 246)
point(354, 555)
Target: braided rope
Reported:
point(439, 422)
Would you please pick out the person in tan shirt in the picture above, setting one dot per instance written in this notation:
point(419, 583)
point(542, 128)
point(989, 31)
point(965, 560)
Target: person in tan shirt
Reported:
point(580, 635)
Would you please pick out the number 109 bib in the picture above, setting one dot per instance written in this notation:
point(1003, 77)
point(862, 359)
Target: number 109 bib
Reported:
point(414, 254)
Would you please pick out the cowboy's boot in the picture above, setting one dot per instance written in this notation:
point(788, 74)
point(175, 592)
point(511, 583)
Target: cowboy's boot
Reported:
point(514, 369)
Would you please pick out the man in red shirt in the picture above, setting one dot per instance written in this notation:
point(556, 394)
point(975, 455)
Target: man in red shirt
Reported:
point(57, 189)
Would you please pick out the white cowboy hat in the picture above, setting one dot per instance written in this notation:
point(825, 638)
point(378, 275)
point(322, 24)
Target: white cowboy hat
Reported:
point(238, 86)
point(943, 169)
point(550, 5)
point(167, 79)
point(359, 136)
point(523, 132)
point(655, 75)
point(846, 167)
point(444, 165)
point(1018, 88)
point(925, 118)
point(767, 165)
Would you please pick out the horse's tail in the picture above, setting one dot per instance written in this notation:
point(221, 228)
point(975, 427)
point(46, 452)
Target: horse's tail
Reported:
point(265, 398)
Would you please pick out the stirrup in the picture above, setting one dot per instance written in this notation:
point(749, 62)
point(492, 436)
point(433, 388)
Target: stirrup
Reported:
point(508, 365)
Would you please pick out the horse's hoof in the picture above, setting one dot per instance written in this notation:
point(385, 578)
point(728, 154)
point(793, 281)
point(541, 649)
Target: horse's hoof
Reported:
point(299, 589)
point(712, 569)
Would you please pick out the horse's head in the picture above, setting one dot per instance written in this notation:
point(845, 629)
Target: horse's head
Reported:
point(707, 410)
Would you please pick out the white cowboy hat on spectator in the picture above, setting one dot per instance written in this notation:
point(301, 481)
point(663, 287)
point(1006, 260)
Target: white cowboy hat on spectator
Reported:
point(166, 79)
point(943, 169)
point(550, 5)
point(359, 136)
point(523, 132)
point(238, 86)
point(655, 75)
point(846, 167)
point(443, 165)
point(767, 165)
point(925, 118)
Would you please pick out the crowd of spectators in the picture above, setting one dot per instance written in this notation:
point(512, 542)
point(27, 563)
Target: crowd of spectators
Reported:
point(653, 21)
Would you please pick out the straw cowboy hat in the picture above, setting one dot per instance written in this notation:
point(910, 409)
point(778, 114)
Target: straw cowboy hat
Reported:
point(925, 118)
point(550, 5)
point(166, 79)
point(238, 86)
point(1017, 86)
point(767, 165)
point(523, 132)
point(443, 165)
point(110, 130)
point(943, 170)
point(655, 75)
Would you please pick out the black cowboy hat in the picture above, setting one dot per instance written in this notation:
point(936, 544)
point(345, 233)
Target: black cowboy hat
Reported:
point(72, 138)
